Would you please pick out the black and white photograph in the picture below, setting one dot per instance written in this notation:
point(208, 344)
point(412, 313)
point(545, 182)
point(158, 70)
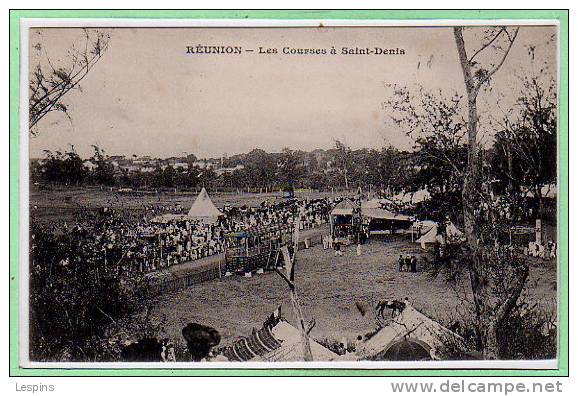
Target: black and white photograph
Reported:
point(298, 195)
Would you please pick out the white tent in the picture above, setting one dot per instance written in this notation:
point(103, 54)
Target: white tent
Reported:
point(344, 208)
point(375, 208)
point(412, 197)
point(204, 209)
point(424, 226)
point(291, 349)
point(432, 236)
point(409, 324)
point(375, 203)
point(384, 214)
point(280, 343)
point(547, 191)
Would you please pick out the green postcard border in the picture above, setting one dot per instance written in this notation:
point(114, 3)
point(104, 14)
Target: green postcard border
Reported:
point(15, 15)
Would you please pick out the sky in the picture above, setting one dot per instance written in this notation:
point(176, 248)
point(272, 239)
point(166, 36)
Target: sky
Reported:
point(147, 96)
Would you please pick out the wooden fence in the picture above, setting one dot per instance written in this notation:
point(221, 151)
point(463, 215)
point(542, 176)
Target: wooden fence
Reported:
point(183, 280)
point(199, 274)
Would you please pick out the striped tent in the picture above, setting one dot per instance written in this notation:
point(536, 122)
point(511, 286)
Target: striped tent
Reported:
point(279, 343)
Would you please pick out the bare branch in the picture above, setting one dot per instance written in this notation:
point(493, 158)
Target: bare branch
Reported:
point(500, 63)
point(484, 46)
point(48, 88)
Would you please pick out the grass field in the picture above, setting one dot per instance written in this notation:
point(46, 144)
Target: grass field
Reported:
point(329, 289)
point(62, 204)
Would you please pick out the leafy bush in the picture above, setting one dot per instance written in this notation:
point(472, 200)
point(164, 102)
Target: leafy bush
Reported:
point(75, 300)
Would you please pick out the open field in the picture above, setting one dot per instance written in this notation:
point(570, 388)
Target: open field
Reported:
point(62, 204)
point(329, 287)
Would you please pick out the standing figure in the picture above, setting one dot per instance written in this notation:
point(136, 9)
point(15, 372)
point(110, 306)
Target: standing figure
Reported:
point(413, 264)
point(407, 263)
point(338, 251)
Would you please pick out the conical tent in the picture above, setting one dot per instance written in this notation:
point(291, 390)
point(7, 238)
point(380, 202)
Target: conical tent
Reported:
point(204, 209)
point(430, 237)
point(453, 232)
point(410, 325)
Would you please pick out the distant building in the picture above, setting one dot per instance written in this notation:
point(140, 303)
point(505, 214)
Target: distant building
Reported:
point(203, 164)
point(89, 165)
point(222, 171)
point(147, 169)
point(129, 167)
point(181, 165)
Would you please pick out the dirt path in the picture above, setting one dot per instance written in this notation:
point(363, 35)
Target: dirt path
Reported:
point(329, 288)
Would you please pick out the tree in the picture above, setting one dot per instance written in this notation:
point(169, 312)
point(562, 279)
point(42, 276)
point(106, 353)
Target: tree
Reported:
point(525, 148)
point(344, 161)
point(437, 126)
point(76, 294)
point(50, 82)
point(392, 168)
point(260, 167)
point(289, 168)
point(104, 172)
point(496, 278)
point(63, 168)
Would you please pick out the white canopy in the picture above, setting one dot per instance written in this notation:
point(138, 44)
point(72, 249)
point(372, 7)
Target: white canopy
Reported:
point(384, 214)
point(291, 349)
point(410, 323)
point(547, 191)
point(280, 343)
point(343, 208)
point(424, 225)
point(204, 209)
point(375, 209)
point(412, 197)
point(375, 203)
point(452, 233)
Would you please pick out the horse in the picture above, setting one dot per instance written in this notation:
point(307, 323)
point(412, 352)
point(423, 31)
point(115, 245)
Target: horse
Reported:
point(395, 306)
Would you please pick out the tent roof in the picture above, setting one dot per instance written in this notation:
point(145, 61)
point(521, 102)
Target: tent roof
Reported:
point(410, 323)
point(343, 208)
point(431, 236)
point(453, 231)
point(384, 214)
point(203, 207)
point(281, 343)
point(374, 203)
point(547, 191)
point(291, 349)
point(412, 197)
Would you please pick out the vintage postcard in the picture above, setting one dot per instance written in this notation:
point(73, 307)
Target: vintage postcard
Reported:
point(289, 194)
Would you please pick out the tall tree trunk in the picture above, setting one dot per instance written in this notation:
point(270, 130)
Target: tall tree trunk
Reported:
point(491, 309)
point(510, 167)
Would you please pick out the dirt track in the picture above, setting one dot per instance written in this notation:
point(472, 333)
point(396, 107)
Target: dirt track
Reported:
point(329, 289)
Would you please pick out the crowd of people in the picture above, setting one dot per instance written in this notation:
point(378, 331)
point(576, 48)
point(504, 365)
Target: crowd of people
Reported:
point(143, 246)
